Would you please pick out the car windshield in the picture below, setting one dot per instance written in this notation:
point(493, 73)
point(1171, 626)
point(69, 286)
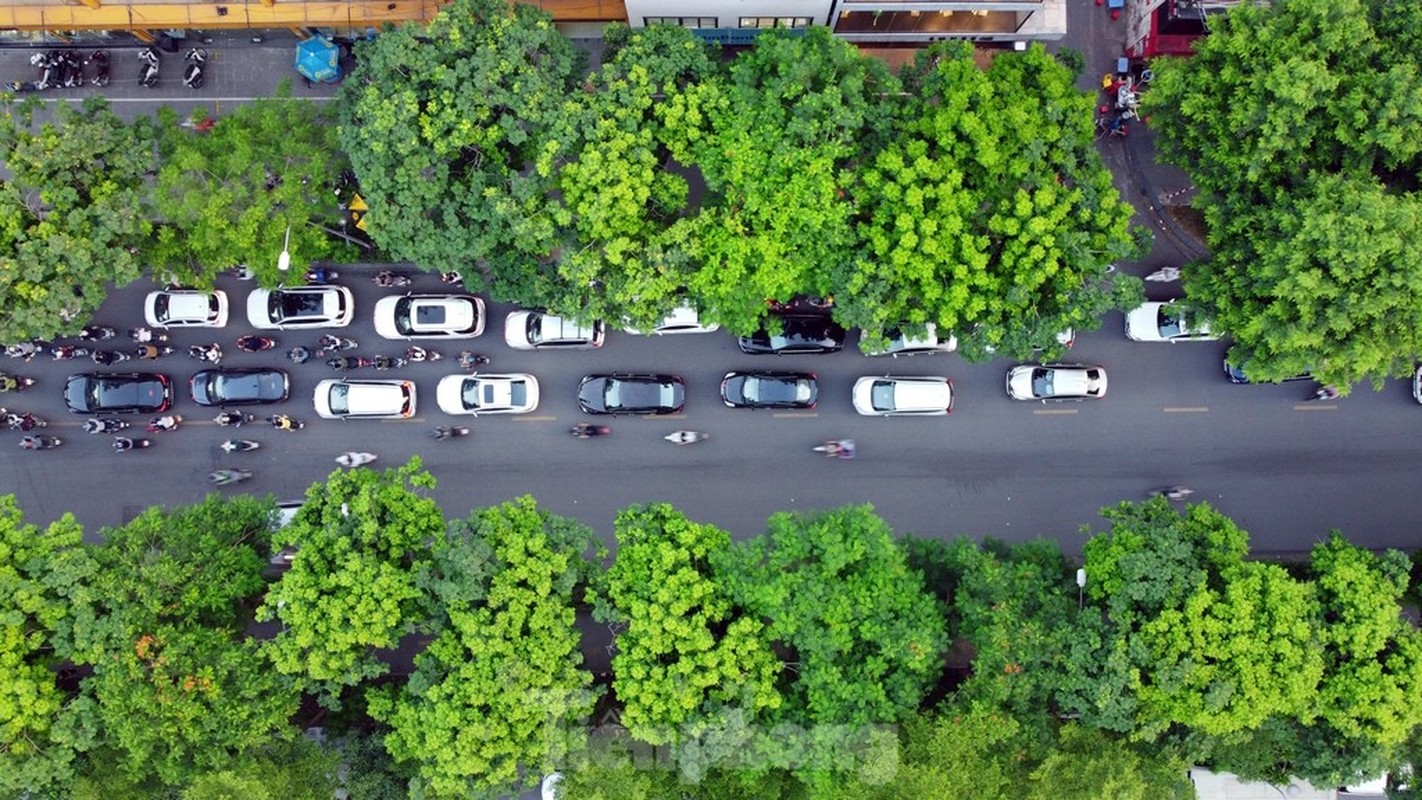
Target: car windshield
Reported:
point(295, 305)
point(881, 396)
point(1172, 323)
point(1042, 382)
point(160, 307)
point(340, 399)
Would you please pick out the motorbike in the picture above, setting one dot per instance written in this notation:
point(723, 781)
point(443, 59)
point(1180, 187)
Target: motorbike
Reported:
point(422, 354)
point(686, 437)
point(240, 446)
point(149, 351)
point(64, 352)
point(321, 275)
point(25, 421)
point(104, 425)
point(343, 363)
point(837, 448)
point(355, 459)
point(468, 360)
point(256, 344)
point(144, 336)
point(1173, 492)
point(40, 442)
point(389, 362)
point(150, 60)
point(71, 68)
point(48, 71)
point(335, 344)
point(445, 432)
point(107, 357)
point(123, 444)
point(226, 477)
point(211, 353)
point(100, 60)
point(282, 422)
point(197, 63)
point(586, 431)
point(388, 279)
point(233, 419)
point(97, 333)
point(164, 423)
point(14, 382)
point(25, 350)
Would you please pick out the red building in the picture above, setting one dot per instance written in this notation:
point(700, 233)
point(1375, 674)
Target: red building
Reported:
point(1169, 27)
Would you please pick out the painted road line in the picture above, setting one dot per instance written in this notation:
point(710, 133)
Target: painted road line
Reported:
point(795, 415)
point(1055, 411)
point(1186, 409)
point(1315, 407)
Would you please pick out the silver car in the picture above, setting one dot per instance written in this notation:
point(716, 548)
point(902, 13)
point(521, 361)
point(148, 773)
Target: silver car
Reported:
point(1056, 382)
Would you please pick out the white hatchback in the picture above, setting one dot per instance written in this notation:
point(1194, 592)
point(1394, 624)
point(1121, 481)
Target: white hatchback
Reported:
point(892, 395)
point(487, 394)
point(682, 319)
point(429, 316)
point(534, 330)
point(186, 308)
point(1166, 322)
point(365, 399)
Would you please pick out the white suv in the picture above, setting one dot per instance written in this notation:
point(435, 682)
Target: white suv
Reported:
point(429, 316)
point(897, 395)
point(533, 330)
point(365, 399)
point(186, 308)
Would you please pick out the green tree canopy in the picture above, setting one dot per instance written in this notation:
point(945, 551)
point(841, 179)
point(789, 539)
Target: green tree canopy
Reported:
point(227, 196)
point(500, 696)
point(776, 142)
point(362, 542)
point(441, 124)
point(990, 213)
point(684, 649)
point(72, 214)
point(1309, 183)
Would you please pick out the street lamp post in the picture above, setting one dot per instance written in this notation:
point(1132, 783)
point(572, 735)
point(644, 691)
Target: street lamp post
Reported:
point(284, 260)
point(1080, 588)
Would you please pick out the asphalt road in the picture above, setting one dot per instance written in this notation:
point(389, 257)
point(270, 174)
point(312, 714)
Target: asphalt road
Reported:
point(1287, 470)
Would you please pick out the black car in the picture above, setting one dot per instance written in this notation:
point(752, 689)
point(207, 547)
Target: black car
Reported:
point(1236, 375)
point(239, 387)
point(770, 389)
point(118, 393)
point(632, 394)
point(799, 333)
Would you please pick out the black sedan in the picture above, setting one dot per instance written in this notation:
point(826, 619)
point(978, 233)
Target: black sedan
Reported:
point(239, 387)
point(632, 394)
point(799, 333)
point(118, 393)
point(770, 389)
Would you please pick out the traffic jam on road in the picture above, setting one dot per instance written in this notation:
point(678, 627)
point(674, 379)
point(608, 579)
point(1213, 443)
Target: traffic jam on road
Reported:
point(421, 320)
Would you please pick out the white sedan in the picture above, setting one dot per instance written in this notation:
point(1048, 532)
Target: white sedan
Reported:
point(682, 319)
point(477, 394)
point(297, 307)
point(902, 396)
point(1056, 382)
point(186, 308)
point(429, 316)
point(1165, 322)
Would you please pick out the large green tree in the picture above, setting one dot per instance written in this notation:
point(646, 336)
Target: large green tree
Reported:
point(776, 141)
point(362, 542)
point(1309, 183)
point(442, 123)
point(228, 195)
point(685, 650)
point(73, 220)
point(989, 213)
point(500, 696)
point(39, 722)
point(617, 189)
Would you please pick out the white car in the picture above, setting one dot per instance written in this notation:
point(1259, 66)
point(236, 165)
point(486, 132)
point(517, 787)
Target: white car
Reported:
point(185, 308)
point(298, 307)
point(925, 342)
point(429, 316)
point(1056, 382)
point(365, 399)
point(1165, 322)
point(683, 319)
point(534, 330)
point(892, 395)
point(487, 394)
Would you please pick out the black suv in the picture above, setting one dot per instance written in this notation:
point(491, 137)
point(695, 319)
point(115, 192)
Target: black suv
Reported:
point(799, 333)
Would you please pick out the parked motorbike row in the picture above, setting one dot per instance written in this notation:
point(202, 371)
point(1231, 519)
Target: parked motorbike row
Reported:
point(69, 69)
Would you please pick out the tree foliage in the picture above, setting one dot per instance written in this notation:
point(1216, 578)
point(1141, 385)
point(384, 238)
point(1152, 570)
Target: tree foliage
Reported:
point(1309, 183)
point(362, 542)
point(229, 195)
point(990, 213)
point(72, 213)
point(685, 650)
point(500, 695)
point(441, 125)
point(776, 141)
